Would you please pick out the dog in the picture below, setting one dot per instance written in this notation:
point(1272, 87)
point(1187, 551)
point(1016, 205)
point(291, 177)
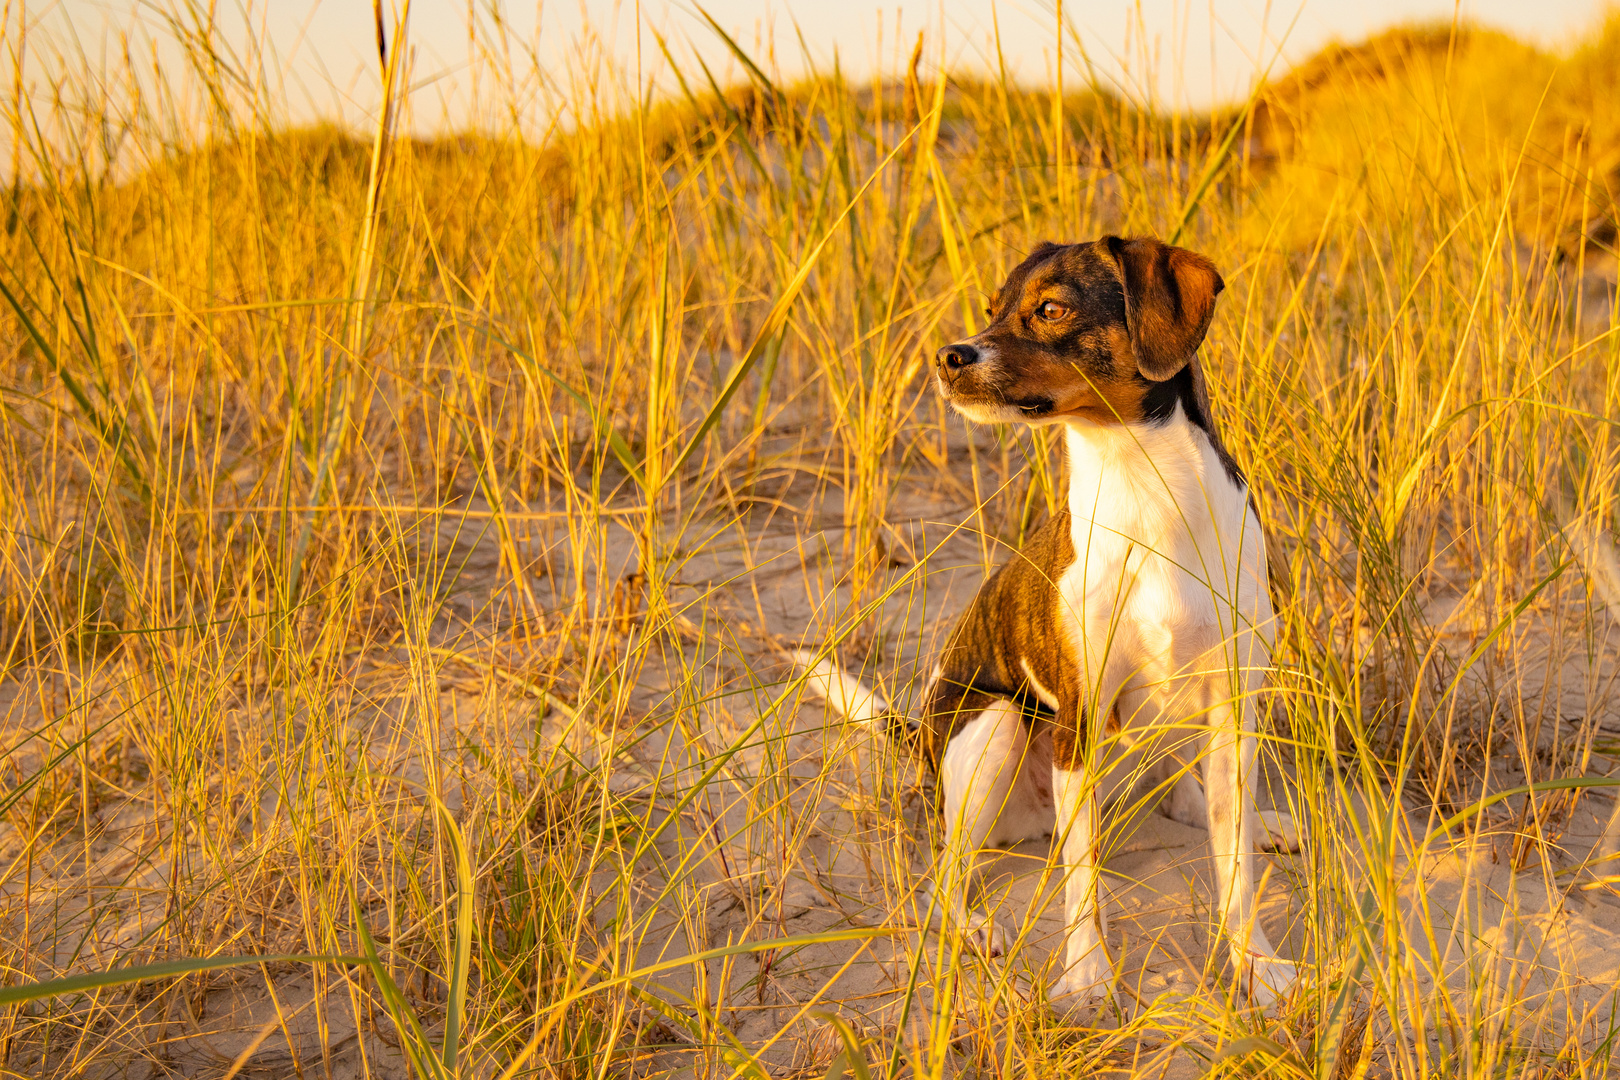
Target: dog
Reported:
point(1123, 646)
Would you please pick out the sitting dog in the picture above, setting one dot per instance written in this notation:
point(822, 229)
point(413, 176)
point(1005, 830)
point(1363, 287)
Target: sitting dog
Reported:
point(1124, 645)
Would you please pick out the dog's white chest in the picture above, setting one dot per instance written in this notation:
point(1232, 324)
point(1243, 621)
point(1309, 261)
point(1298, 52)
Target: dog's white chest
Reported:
point(1169, 560)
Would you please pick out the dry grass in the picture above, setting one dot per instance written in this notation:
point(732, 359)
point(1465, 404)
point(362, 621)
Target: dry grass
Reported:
point(400, 538)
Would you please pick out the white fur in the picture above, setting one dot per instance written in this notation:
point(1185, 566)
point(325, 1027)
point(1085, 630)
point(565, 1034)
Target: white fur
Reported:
point(1042, 694)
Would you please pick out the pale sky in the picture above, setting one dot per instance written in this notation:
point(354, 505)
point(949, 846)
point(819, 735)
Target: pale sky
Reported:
point(1199, 52)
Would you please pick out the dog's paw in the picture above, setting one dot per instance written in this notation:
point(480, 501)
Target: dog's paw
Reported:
point(1268, 978)
point(1281, 834)
point(984, 936)
point(1083, 986)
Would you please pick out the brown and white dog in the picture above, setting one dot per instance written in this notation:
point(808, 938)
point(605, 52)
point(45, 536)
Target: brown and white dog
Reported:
point(1123, 647)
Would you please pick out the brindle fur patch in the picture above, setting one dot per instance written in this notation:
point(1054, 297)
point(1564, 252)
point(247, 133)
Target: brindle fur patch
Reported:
point(1014, 621)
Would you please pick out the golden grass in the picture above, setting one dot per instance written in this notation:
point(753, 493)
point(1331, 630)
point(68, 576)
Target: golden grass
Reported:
point(386, 522)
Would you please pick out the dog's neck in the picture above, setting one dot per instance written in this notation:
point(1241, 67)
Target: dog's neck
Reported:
point(1120, 468)
point(1154, 468)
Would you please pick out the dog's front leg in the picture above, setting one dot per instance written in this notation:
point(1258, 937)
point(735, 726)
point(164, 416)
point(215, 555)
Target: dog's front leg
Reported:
point(1086, 972)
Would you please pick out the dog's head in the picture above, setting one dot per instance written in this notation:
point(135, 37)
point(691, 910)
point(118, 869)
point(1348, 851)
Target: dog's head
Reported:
point(1083, 330)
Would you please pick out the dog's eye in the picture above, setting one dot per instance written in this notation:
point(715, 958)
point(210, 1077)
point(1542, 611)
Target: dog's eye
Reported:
point(1052, 311)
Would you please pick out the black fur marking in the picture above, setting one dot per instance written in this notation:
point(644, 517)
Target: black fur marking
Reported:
point(1186, 388)
point(1035, 406)
point(1160, 401)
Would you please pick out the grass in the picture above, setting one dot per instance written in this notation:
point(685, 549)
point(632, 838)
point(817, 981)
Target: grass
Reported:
point(403, 536)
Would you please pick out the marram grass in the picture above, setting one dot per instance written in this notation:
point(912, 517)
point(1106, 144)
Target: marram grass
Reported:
point(401, 540)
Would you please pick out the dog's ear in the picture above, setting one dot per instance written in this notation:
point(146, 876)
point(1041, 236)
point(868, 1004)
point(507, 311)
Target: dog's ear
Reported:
point(1169, 301)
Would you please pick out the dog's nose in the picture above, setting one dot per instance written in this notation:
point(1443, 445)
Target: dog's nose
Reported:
point(956, 357)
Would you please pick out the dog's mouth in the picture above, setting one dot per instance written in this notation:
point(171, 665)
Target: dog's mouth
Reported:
point(1035, 406)
point(977, 400)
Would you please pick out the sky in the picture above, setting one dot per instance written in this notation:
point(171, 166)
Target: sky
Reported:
point(322, 53)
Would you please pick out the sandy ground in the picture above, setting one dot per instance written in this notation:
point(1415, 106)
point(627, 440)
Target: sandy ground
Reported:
point(812, 828)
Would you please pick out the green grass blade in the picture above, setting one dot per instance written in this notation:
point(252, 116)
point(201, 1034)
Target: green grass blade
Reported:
point(851, 1060)
point(1331, 1041)
point(754, 73)
point(1567, 783)
point(1501, 627)
point(733, 1053)
point(104, 431)
point(168, 969)
point(411, 1036)
point(455, 1016)
point(9, 799)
